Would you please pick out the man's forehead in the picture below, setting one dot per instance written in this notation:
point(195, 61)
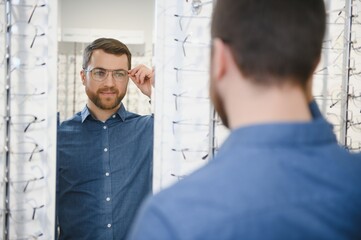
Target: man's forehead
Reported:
point(108, 59)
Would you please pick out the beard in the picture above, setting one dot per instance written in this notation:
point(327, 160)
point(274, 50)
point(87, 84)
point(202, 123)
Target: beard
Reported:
point(218, 104)
point(105, 103)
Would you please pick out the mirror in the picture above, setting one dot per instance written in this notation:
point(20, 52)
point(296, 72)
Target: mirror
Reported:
point(82, 21)
point(95, 170)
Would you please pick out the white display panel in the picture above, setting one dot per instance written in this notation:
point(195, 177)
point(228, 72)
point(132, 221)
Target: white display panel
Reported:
point(182, 104)
point(28, 119)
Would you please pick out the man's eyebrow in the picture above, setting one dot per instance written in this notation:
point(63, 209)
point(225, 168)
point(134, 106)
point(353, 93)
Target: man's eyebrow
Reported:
point(119, 69)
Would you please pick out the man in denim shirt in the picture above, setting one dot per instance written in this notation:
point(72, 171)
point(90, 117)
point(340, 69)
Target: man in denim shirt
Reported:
point(281, 173)
point(104, 151)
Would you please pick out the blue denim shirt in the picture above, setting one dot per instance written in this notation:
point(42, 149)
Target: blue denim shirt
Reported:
point(104, 173)
point(268, 181)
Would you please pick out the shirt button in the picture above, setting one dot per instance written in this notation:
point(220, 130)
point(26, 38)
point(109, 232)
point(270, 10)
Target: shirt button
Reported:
point(105, 127)
point(105, 149)
point(107, 174)
point(109, 225)
point(113, 116)
point(108, 199)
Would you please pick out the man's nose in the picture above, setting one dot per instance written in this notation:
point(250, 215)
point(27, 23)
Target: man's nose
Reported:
point(109, 80)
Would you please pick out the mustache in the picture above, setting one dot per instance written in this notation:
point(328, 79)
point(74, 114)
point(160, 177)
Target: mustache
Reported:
point(108, 89)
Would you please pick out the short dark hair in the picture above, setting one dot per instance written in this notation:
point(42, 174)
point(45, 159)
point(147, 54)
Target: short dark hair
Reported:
point(108, 45)
point(272, 39)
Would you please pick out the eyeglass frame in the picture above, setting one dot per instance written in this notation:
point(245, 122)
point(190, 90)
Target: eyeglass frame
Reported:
point(107, 74)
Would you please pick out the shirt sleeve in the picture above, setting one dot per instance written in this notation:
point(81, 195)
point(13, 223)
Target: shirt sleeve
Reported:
point(151, 224)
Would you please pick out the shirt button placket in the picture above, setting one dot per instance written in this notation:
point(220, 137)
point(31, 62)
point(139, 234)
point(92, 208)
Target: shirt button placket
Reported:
point(107, 174)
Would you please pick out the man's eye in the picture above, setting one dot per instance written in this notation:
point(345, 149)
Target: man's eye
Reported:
point(119, 74)
point(99, 73)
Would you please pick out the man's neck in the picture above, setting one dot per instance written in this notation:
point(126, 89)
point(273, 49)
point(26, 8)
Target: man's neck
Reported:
point(101, 114)
point(277, 104)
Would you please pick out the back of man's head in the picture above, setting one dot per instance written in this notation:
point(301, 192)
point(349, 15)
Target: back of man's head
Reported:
point(272, 40)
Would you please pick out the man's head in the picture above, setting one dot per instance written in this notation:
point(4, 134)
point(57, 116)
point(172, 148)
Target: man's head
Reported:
point(105, 87)
point(272, 42)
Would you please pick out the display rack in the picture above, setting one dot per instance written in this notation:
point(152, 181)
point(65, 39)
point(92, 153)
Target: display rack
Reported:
point(184, 119)
point(28, 127)
point(187, 131)
point(337, 81)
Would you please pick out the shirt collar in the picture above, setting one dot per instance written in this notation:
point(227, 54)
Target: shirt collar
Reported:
point(315, 132)
point(122, 113)
point(315, 111)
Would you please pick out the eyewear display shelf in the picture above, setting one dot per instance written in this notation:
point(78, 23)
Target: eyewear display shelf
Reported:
point(28, 56)
point(185, 122)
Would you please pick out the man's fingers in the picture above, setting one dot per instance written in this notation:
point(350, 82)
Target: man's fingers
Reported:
point(134, 79)
point(142, 77)
point(135, 70)
point(140, 74)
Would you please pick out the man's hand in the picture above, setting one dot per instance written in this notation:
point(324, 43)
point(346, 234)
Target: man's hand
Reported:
point(143, 77)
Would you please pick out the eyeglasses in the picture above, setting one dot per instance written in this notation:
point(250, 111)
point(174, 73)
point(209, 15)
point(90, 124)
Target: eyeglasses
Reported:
point(336, 16)
point(192, 154)
point(184, 70)
point(24, 97)
point(183, 95)
point(24, 212)
point(23, 92)
point(29, 5)
point(338, 121)
point(26, 183)
point(332, 65)
point(27, 31)
point(197, 6)
point(179, 177)
point(333, 44)
point(22, 122)
point(36, 236)
point(24, 61)
point(189, 123)
point(181, 17)
point(25, 151)
point(355, 97)
point(354, 122)
point(335, 95)
point(195, 44)
point(100, 74)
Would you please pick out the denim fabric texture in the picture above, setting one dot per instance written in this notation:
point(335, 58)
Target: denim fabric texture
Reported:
point(104, 171)
point(268, 181)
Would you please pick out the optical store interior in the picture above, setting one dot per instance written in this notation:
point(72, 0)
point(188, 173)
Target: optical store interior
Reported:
point(158, 138)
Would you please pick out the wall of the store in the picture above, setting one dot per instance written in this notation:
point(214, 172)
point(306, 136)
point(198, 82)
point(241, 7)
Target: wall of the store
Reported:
point(125, 15)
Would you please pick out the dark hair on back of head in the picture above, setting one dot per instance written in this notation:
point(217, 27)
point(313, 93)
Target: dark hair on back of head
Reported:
point(108, 45)
point(272, 40)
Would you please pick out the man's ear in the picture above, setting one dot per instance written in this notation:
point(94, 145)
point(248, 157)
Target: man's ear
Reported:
point(219, 59)
point(83, 76)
